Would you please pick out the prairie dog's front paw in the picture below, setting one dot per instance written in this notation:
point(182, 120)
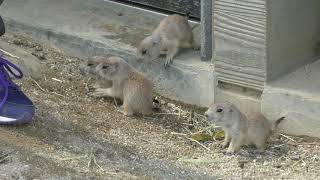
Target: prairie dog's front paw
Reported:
point(230, 150)
point(224, 145)
point(93, 87)
point(96, 86)
point(99, 92)
point(168, 62)
point(120, 109)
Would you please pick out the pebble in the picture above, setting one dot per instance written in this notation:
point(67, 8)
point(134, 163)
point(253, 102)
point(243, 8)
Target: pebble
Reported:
point(295, 157)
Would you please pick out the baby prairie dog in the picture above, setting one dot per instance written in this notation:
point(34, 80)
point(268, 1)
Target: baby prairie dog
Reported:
point(173, 33)
point(240, 130)
point(133, 87)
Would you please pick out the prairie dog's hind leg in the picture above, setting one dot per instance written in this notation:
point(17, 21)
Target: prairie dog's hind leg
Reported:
point(127, 110)
point(235, 144)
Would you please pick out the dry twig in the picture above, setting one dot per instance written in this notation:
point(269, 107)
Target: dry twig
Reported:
point(95, 162)
point(9, 54)
point(72, 158)
point(287, 137)
point(302, 158)
point(55, 79)
point(38, 85)
point(193, 140)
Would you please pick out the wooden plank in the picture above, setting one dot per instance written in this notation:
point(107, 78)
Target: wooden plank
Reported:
point(240, 10)
point(242, 84)
point(238, 21)
point(239, 52)
point(243, 32)
point(239, 30)
point(259, 74)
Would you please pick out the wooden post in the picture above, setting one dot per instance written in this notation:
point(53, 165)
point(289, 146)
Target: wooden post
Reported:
point(206, 30)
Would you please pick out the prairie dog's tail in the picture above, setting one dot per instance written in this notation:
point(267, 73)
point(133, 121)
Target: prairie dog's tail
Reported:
point(277, 122)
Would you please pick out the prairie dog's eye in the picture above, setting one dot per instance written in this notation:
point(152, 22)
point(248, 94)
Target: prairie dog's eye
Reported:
point(144, 52)
point(219, 110)
point(105, 67)
point(90, 64)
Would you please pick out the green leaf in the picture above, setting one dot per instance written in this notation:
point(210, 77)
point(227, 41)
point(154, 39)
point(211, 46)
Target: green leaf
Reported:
point(207, 136)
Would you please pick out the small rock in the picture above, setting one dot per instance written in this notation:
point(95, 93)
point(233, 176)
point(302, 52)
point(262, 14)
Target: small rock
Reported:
point(278, 166)
point(241, 164)
point(170, 105)
point(38, 48)
point(295, 157)
point(120, 14)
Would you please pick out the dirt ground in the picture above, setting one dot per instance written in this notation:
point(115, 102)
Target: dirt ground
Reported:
point(75, 136)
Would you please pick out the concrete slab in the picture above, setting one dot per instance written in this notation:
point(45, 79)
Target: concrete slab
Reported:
point(96, 27)
point(296, 96)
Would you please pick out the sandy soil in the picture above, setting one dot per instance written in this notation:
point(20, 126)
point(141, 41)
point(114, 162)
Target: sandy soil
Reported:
point(75, 136)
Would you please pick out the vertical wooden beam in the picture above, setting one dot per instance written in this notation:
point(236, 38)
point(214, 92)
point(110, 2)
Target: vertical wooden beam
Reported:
point(206, 30)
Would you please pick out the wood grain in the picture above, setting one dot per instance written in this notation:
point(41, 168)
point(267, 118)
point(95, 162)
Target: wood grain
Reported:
point(239, 31)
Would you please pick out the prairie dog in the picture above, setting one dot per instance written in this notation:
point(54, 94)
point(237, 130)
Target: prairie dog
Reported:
point(133, 87)
point(173, 33)
point(89, 68)
point(240, 130)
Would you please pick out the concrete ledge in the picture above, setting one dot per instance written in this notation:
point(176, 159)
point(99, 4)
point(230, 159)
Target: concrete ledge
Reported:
point(86, 28)
point(296, 96)
point(300, 112)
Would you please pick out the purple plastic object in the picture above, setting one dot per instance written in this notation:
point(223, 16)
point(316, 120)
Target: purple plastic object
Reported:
point(15, 106)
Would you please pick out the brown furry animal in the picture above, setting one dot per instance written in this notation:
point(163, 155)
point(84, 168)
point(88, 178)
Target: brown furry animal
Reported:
point(173, 33)
point(133, 87)
point(239, 129)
